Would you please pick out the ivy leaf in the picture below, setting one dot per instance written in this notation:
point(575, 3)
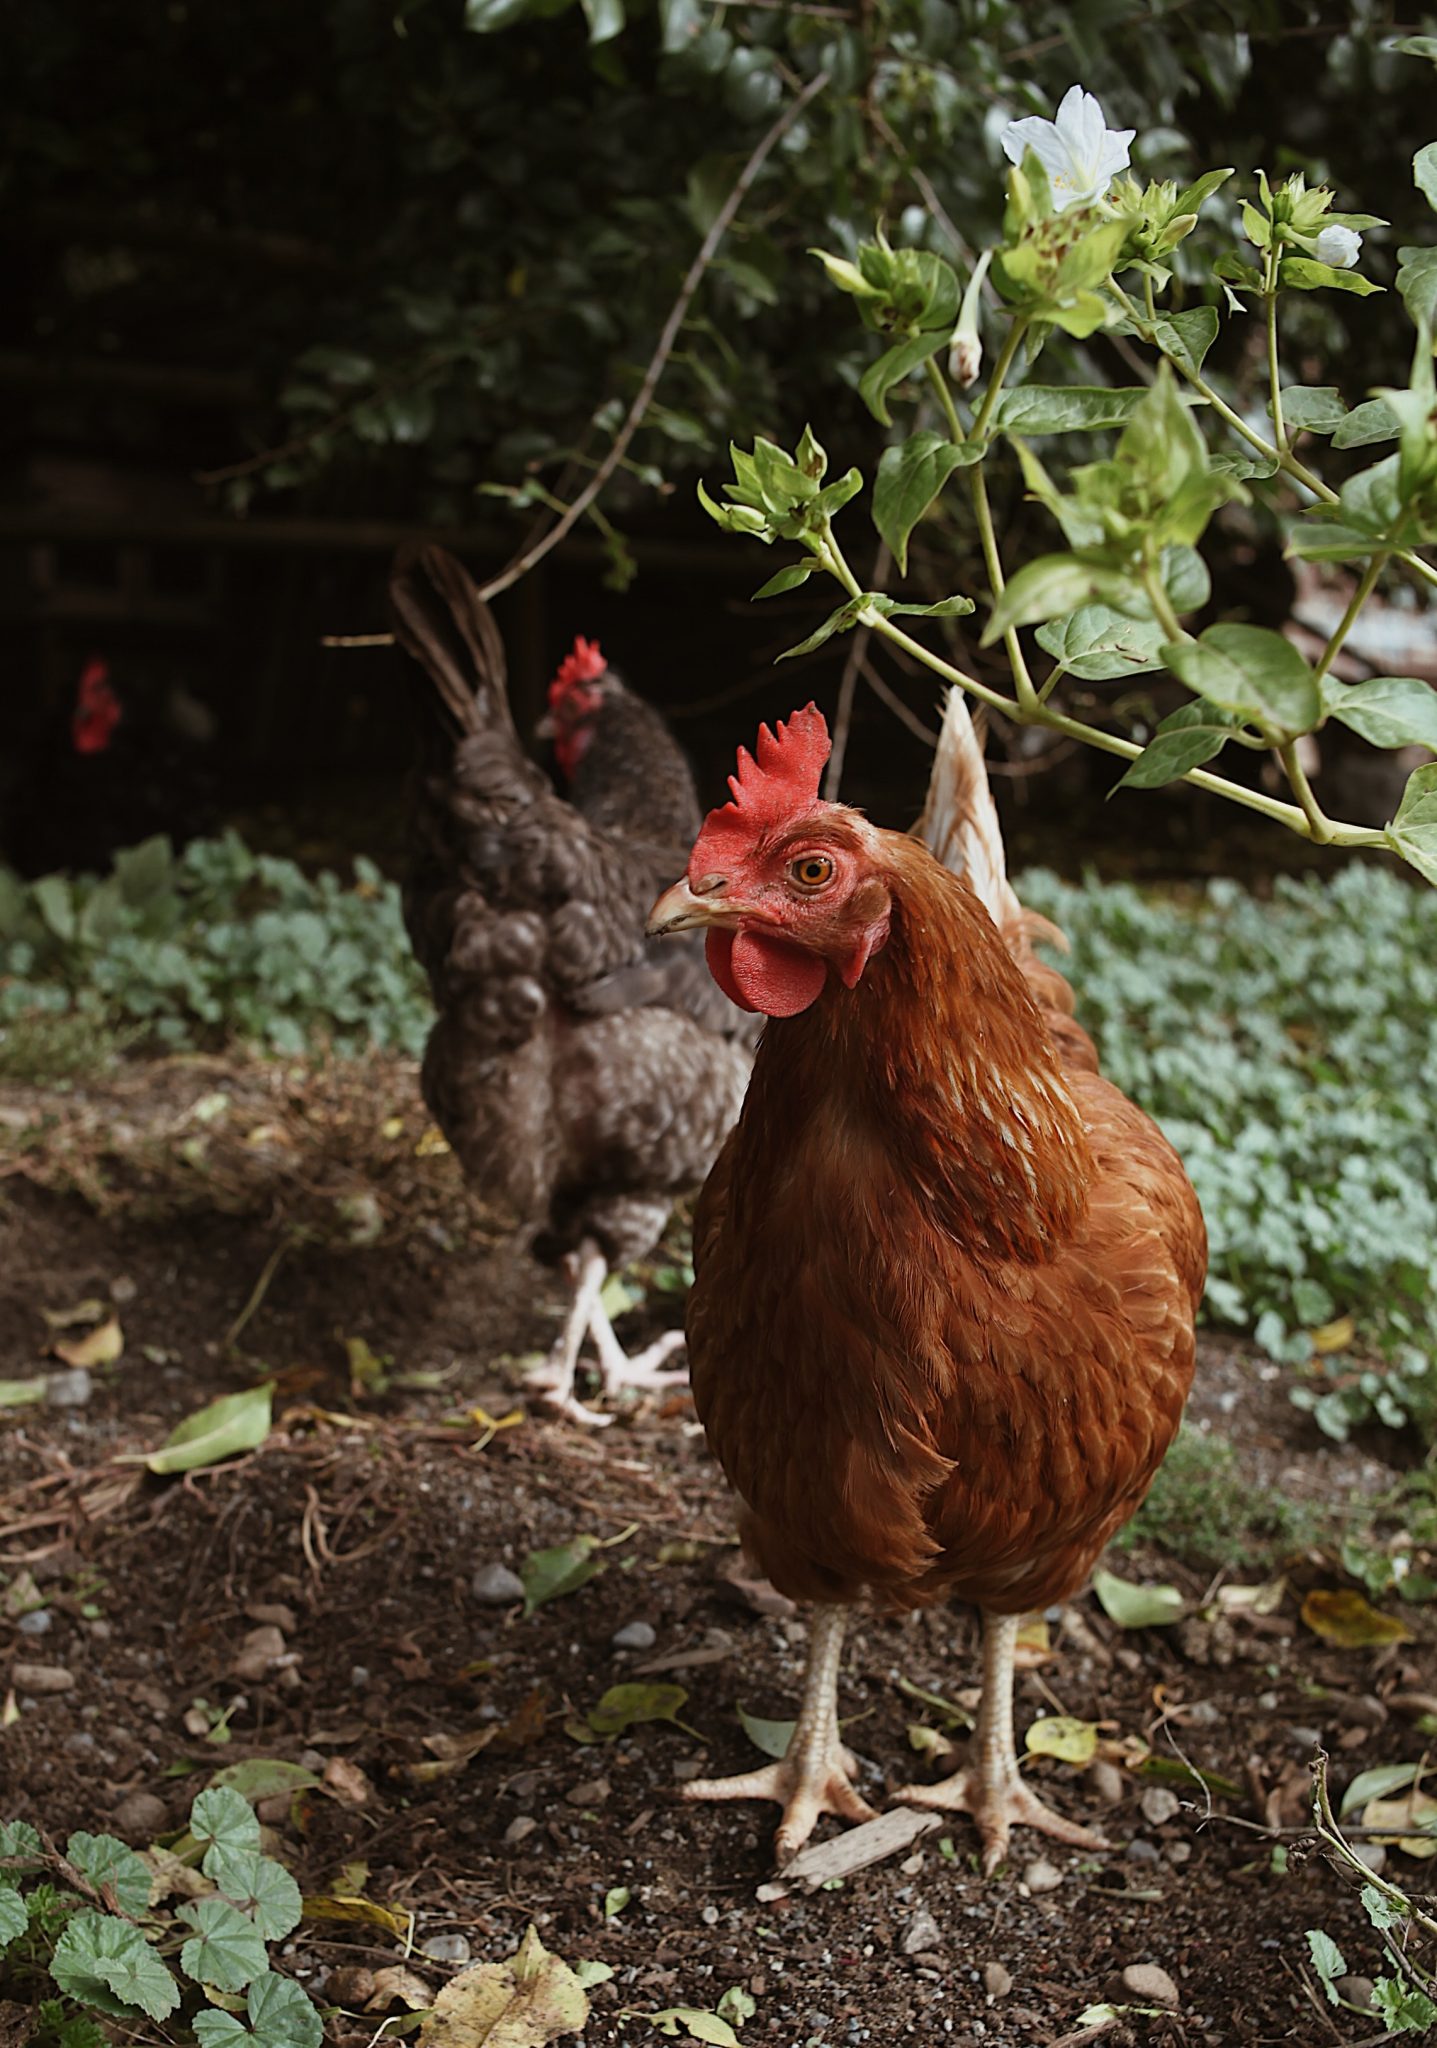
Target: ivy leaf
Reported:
point(1252, 672)
point(1186, 738)
point(280, 2012)
point(1406, 2008)
point(892, 367)
point(1413, 832)
point(224, 1817)
point(910, 476)
point(1389, 711)
point(225, 1428)
point(18, 1838)
point(1097, 644)
point(227, 1950)
point(105, 1962)
point(1327, 1960)
point(1304, 274)
point(260, 1887)
point(106, 1860)
point(1064, 409)
point(14, 1918)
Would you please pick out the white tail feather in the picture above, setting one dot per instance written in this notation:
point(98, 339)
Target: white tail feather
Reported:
point(960, 823)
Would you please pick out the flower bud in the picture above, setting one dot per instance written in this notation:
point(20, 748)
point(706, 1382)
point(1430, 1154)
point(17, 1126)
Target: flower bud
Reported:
point(965, 350)
point(1339, 247)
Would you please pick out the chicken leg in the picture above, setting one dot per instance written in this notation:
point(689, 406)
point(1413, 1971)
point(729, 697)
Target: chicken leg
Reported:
point(816, 1772)
point(991, 1789)
point(587, 1269)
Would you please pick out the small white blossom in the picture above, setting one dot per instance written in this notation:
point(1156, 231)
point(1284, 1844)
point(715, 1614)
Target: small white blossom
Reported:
point(965, 350)
point(1339, 247)
point(1080, 153)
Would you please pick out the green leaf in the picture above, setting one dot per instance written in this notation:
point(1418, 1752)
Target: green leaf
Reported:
point(910, 476)
point(223, 1816)
point(1380, 1910)
point(1097, 644)
point(699, 2026)
point(105, 1962)
point(1132, 1606)
point(1417, 282)
point(1186, 738)
point(786, 579)
point(1187, 337)
point(1331, 540)
point(1064, 409)
point(772, 1737)
point(14, 1918)
point(623, 1706)
point(222, 1429)
point(1417, 46)
point(1405, 2008)
point(1372, 421)
point(227, 1950)
point(1376, 1784)
point(485, 16)
point(615, 1900)
point(23, 1393)
point(279, 2010)
point(550, 1574)
point(1413, 832)
point(605, 18)
point(55, 900)
point(263, 1777)
point(260, 1887)
point(1253, 673)
point(1327, 1960)
point(106, 1860)
point(215, 2029)
point(737, 2005)
point(1185, 578)
point(836, 622)
point(1054, 584)
point(1389, 711)
point(18, 1838)
point(1304, 274)
point(898, 608)
point(1060, 1735)
point(1424, 173)
point(1317, 408)
point(892, 367)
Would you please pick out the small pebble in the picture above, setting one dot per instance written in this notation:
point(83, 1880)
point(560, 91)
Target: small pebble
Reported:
point(446, 1948)
point(1141, 1851)
point(997, 1981)
point(38, 1622)
point(1146, 1984)
point(1356, 1990)
point(275, 1613)
point(688, 1767)
point(1179, 1852)
point(592, 1792)
point(1106, 1782)
point(519, 1829)
point(70, 1389)
point(634, 1635)
point(921, 1933)
point(1159, 1805)
point(122, 1290)
point(494, 1585)
point(1042, 1876)
point(41, 1678)
point(139, 1817)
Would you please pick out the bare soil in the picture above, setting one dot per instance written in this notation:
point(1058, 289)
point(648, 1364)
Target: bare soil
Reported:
point(369, 1514)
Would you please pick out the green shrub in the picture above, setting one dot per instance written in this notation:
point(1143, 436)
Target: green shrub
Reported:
point(215, 943)
point(1289, 1050)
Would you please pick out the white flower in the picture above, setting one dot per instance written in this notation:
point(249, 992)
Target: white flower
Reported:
point(965, 350)
point(1340, 247)
point(1080, 153)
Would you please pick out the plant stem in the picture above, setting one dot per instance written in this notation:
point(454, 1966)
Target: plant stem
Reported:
point(1161, 603)
point(830, 557)
point(1012, 645)
point(1360, 595)
point(945, 398)
point(1274, 374)
point(1000, 371)
point(1318, 823)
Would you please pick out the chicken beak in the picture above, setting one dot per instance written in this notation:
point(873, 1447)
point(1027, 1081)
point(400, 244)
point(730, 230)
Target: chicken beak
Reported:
point(683, 909)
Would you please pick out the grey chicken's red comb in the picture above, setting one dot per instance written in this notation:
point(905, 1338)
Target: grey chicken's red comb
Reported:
point(774, 783)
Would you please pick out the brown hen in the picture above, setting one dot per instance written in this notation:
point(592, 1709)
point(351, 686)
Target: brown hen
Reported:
point(942, 1327)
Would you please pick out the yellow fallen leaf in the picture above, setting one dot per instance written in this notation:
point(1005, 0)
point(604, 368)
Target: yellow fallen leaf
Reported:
point(91, 1310)
point(392, 1127)
point(357, 1911)
point(1343, 1617)
point(1034, 1645)
point(1059, 1735)
point(1415, 1809)
point(101, 1346)
point(431, 1142)
point(525, 2002)
point(398, 1983)
point(1264, 1599)
point(1334, 1336)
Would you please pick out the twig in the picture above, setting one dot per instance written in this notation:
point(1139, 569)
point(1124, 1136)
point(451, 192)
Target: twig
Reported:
point(848, 688)
point(895, 704)
point(708, 249)
point(257, 1293)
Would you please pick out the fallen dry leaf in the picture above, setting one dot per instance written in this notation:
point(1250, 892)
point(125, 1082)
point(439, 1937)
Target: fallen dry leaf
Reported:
point(357, 1911)
point(100, 1346)
point(347, 1782)
point(91, 1310)
point(1343, 1617)
point(525, 2002)
point(397, 1985)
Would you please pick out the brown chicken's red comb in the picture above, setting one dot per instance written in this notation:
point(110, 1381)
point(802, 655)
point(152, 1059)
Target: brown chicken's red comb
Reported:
point(774, 783)
point(580, 665)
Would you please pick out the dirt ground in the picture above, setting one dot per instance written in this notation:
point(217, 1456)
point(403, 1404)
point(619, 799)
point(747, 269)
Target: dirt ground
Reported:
point(373, 1516)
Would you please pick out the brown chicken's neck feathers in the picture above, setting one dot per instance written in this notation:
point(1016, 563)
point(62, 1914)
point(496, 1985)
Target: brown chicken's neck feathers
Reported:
point(940, 1055)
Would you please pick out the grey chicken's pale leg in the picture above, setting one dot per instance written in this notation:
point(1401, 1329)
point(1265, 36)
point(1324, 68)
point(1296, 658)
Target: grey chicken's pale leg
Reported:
point(990, 1788)
point(816, 1773)
point(587, 1269)
point(618, 1369)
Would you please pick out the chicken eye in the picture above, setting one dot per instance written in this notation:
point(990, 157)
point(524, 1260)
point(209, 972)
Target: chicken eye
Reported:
point(812, 871)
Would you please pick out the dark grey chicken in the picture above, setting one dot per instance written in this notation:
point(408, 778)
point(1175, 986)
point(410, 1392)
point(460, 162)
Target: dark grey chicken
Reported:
point(585, 1076)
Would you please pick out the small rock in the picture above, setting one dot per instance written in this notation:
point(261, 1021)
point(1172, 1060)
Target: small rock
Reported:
point(1159, 1805)
point(446, 1948)
point(1042, 1876)
point(70, 1389)
point(80, 1742)
point(1106, 1782)
point(275, 1810)
point(592, 1792)
point(1179, 1852)
point(1372, 1854)
point(519, 1829)
point(152, 1696)
point(41, 1678)
point(921, 1933)
point(139, 1817)
point(38, 1622)
point(1356, 1990)
point(997, 1981)
point(634, 1635)
point(494, 1585)
point(1141, 1851)
point(263, 1652)
point(122, 1290)
point(275, 1614)
point(1146, 1984)
point(687, 1767)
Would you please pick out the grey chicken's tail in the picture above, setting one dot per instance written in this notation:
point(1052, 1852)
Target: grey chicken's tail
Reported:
point(960, 827)
point(440, 618)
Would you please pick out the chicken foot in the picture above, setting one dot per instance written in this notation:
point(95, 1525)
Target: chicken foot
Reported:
point(991, 1788)
point(588, 1269)
point(816, 1773)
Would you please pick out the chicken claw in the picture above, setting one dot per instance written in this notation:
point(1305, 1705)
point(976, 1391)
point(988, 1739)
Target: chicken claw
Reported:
point(815, 1774)
point(587, 1270)
point(991, 1789)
